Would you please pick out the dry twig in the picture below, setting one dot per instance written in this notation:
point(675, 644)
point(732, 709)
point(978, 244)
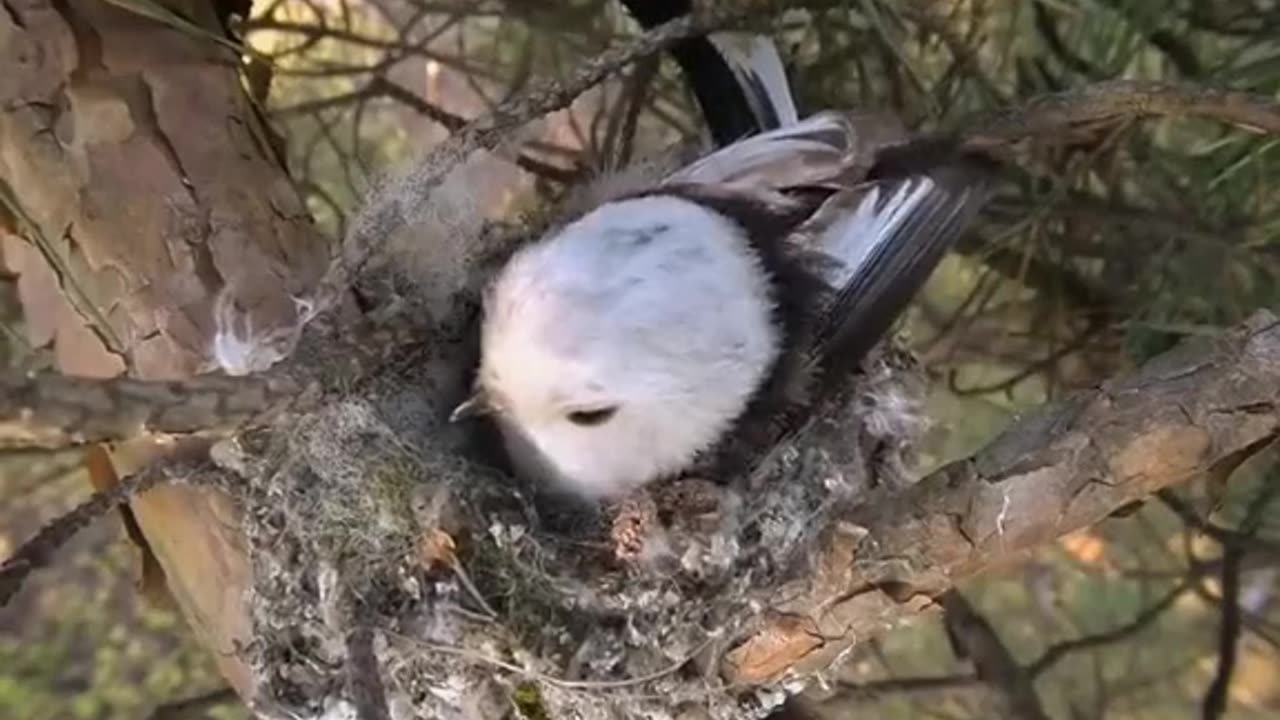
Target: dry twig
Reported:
point(38, 552)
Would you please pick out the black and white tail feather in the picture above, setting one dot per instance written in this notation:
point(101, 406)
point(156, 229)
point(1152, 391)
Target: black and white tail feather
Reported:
point(757, 67)
point(737, 78)
point(628, 344)
point(878, 215)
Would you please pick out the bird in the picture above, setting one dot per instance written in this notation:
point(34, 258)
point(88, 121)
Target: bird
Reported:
point(628, 344)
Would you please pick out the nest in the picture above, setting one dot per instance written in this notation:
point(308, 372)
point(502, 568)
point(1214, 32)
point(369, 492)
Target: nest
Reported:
point(390, 561)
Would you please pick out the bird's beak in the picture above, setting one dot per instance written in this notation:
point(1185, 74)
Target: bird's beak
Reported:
point(474, 406)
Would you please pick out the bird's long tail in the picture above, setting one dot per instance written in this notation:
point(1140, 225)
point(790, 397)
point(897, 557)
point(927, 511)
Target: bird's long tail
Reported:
point(737, 78)
point(893, 205)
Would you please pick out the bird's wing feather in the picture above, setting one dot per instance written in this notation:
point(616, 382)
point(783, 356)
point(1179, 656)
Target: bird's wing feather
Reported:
point(813, 152)
point(879, 242)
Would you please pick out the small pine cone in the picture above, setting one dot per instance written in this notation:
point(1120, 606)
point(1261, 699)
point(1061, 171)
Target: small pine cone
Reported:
point(635, 518)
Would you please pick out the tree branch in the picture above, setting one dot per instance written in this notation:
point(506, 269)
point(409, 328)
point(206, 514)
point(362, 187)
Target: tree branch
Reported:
point(49, 409)
point(1115, 100)
point(1062, 468)
point(1142, 620)
point(1225, 536)
point(1215, 700)
point(38, 552)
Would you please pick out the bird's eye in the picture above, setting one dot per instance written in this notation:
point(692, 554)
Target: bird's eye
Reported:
point(595, 416)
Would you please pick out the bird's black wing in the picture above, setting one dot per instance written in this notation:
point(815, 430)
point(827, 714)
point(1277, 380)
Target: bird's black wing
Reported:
point(882, 239)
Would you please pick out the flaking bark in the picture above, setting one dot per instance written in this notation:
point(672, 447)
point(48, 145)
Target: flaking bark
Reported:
point(137, 182)
point(1064, 467)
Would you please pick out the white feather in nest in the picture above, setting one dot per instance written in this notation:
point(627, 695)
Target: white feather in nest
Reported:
point(242, 345)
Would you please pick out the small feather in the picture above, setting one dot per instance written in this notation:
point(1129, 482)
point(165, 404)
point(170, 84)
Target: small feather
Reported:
point(816, 151)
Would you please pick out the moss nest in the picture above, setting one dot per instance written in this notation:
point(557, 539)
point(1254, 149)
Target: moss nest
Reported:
point(373, 517)
point(487, 601)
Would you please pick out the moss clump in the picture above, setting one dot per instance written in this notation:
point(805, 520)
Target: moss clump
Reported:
point(528, 700)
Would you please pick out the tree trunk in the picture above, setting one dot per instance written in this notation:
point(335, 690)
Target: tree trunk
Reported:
point(138, 183)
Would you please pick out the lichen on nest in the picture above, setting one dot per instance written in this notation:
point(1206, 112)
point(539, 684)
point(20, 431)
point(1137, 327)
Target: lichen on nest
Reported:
point(366, 514)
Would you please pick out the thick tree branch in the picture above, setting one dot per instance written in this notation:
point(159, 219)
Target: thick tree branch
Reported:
point(1060, 469)
point(54, 410)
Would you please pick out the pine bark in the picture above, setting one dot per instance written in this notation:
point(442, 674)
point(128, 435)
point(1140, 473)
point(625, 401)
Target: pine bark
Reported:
point(137, 183)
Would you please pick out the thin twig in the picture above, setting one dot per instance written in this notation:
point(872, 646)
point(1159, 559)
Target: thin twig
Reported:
point(38, 552)
point(1229, 538)
point(193, 706)
point(1140, 622)
point(1215, 699)
point(471, 588)
point(973, 638)
point(482, 659)
point(1112, 101)
point(387, 210)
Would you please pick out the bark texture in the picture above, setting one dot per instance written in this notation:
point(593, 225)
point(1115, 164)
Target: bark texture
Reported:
point(136, 185)
point(1064, 467)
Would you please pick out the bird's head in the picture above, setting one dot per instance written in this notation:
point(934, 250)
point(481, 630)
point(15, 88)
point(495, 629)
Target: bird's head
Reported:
point(617, 349)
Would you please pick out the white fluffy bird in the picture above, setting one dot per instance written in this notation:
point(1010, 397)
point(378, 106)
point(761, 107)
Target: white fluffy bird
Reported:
point(622, 347)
